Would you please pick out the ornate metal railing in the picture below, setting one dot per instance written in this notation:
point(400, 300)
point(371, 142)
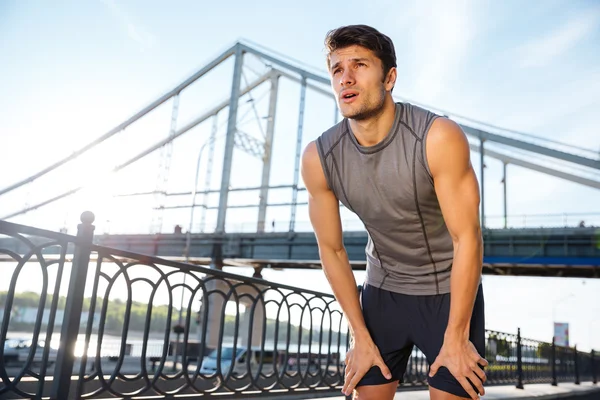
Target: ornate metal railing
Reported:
point(85, 321)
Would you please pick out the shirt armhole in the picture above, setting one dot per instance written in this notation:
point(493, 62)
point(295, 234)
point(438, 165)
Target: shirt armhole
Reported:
point(432, 117)
point(323, 159)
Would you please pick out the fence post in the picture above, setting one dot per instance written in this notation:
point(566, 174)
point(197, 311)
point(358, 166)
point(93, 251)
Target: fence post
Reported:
point(74, 304)
point(576, 365)
point(594, 377)
point(519, 361)
point(554, 382)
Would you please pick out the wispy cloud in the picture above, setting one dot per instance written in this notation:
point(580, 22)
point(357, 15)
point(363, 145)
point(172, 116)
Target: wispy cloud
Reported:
point(134, 30)
point(542, 50)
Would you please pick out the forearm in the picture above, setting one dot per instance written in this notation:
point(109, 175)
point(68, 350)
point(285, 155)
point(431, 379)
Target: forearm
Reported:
point(341, 279)
point(464, 283)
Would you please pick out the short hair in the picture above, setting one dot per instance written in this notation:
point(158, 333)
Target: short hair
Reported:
point(365, 36)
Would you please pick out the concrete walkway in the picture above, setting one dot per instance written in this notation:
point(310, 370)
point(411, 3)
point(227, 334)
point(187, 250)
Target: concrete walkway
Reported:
point(543, 391)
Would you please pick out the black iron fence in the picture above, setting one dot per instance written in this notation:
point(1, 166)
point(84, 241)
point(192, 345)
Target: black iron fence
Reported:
point(85, 321)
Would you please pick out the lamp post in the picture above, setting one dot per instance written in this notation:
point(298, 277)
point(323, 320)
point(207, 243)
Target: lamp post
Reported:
point(186, 251)
point(188, 239)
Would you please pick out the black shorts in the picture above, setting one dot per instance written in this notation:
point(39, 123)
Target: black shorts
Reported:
point(397, 322)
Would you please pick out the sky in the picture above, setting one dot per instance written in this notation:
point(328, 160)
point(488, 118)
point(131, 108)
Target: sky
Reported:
point(77, 69)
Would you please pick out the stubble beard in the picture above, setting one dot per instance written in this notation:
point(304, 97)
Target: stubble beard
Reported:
point(369, 109)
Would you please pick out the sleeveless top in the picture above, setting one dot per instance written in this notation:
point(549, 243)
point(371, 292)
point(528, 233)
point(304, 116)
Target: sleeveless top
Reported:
point(390, 188)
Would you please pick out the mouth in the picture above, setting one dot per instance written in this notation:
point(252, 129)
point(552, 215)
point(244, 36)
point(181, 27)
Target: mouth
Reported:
point(348, 96)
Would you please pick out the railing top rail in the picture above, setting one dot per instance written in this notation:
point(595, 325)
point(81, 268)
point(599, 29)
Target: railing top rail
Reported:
point(12, 228)
point(196, 268)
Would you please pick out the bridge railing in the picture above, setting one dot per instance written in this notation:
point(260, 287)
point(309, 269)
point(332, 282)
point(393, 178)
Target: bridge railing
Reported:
point(89, 321)
point(512, 221)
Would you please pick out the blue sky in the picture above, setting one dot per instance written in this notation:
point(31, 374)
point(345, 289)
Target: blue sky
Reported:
point(74, 70)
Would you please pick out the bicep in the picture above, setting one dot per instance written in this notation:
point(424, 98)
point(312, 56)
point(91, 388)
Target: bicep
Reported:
point(454, 179)
point(323, 206)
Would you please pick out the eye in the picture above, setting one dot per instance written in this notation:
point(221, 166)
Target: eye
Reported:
point(361, 64)
point(336, 71)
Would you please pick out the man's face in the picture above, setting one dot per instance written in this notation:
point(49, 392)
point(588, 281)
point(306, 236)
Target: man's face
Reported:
point(357, 82)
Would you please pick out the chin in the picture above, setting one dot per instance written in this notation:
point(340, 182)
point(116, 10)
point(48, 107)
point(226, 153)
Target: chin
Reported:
point(348, 111)
point(362, 113)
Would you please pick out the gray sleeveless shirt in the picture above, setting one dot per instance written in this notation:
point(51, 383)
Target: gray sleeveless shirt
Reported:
point(390, 188)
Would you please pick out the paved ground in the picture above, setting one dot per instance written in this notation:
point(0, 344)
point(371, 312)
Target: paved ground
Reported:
point(543, 391)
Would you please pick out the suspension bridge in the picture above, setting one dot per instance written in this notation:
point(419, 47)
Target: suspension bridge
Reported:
point(162, 209)
point(236, 223)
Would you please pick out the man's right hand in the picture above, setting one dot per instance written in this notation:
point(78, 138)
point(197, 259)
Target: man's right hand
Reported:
point(324, 213)
point(361, 357)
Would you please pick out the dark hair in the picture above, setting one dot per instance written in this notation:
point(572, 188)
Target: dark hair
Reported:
point(365, 36)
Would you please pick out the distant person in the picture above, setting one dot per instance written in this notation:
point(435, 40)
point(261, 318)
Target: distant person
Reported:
point(406, 172)
point(178, 230)
point(582, 224)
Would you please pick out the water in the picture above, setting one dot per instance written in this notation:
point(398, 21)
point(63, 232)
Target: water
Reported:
point(111, 344)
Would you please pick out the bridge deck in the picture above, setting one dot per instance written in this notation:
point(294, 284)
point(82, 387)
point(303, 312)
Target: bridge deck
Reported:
point(566, 252)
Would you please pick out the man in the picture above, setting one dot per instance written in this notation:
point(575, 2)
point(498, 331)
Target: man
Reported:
point(407, 174)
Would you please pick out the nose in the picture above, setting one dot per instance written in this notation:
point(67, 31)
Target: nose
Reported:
point(347, 78)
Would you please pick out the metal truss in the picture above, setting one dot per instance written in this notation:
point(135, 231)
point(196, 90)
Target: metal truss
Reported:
point(278, 67)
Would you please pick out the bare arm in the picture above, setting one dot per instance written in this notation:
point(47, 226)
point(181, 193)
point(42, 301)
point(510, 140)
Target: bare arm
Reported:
point(324, 215)
point(457, 190)
point(458, 194)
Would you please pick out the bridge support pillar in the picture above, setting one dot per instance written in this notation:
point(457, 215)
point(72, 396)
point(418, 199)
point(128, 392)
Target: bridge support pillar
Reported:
point(216, 261)
point(253, 322)
point(230, 138)
point(214, 328)
point(298, 154)
point(268, 149)
point(212, 312)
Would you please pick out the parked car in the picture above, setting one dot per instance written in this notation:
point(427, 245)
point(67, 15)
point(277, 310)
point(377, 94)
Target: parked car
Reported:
point(11, 351)
point(239, 361)
point(18, 351)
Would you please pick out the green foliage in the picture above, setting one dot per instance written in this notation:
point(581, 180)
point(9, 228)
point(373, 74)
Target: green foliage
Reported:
point(503, 347)
point(116, 310)
point(544, 350)
point(141, 314)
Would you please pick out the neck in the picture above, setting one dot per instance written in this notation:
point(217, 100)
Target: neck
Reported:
point(373, 130)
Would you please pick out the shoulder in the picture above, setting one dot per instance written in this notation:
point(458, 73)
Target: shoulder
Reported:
point(311, 153)
point(312, 170)
point(444, 131)
point(446, 145)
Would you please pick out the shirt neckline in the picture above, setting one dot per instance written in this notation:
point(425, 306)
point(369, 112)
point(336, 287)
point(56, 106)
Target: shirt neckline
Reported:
point(384, 142)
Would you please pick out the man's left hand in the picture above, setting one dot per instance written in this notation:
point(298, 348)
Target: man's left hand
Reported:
point(463, 361)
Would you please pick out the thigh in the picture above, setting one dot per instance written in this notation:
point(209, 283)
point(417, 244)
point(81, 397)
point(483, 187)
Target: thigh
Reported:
point(429, 336)
point(376, 392)
point(385, 317)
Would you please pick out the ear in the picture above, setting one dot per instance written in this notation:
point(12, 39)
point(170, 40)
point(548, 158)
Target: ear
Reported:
point(390, 79)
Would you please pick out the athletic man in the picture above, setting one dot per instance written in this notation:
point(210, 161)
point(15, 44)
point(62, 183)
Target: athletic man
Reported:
point(407, 174)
